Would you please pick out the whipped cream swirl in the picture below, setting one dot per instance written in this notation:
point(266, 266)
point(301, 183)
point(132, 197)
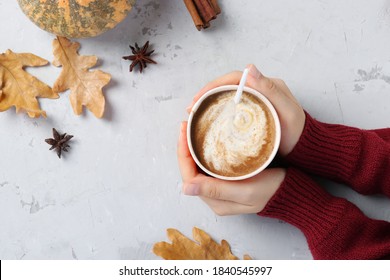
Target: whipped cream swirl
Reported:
point(236, 132)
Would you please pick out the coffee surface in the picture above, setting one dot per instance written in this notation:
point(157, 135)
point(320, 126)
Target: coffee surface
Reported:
point(232, 139)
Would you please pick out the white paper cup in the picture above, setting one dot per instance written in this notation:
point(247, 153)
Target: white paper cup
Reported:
point(277, 131)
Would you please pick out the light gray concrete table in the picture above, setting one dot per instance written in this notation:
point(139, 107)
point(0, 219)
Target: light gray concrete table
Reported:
point(118, 190)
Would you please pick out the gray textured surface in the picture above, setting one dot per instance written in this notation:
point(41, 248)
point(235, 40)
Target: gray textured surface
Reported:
point(118, 190)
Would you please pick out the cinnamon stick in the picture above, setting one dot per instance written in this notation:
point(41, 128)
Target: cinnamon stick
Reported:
point(194, 13)
point(216, 7)
point(205, 9)
point(202, 11)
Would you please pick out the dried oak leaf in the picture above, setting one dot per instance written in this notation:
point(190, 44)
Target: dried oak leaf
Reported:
point(20, 89)
point(182, 248)
point(85, 86)
point(1, 92)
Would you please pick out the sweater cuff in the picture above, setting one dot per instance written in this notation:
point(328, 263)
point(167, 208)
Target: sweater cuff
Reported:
point(300, 202)
point(328, 150)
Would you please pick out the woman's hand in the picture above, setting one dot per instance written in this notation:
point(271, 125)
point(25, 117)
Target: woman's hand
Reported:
point(226, 197)
point(291, 114)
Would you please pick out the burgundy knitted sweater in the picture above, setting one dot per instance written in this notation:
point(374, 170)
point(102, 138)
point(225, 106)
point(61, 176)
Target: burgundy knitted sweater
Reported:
point(334, 227)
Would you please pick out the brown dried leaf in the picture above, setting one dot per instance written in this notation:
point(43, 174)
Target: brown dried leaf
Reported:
point(1, 92)
point(182, 248)
point(85, 86)
point(20, 89)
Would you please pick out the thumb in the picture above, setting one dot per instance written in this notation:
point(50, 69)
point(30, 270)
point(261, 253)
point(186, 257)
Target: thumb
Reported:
point(205, 186)
point(213, 188)
point(267, 86)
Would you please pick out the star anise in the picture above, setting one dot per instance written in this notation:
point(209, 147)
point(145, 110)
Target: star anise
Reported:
point(59, 142)
point(140, 56)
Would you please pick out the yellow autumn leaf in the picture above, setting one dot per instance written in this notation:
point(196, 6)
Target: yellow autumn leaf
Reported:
point(19, 88)
point(85, 86)
point(203, 248)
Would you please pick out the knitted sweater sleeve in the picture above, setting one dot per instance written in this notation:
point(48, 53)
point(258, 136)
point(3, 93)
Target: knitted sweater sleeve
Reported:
point(356, 157)
point(383, 133)
point(334, 227)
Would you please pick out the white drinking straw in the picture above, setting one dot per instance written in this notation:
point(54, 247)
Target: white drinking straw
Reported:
point(240, 88)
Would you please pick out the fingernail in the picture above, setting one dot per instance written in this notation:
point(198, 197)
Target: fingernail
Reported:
point(254, 72)
point(191, 189)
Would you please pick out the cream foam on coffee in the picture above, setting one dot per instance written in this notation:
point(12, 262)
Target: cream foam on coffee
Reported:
point(232, 139)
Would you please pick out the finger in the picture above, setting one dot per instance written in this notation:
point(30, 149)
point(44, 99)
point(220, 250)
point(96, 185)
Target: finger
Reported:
point(225, 208)
point(267, 86)
point(232, 78)
point(187, 165)
point(209, 187)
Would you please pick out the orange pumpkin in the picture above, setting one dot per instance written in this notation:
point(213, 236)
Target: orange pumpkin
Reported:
point(76, 18)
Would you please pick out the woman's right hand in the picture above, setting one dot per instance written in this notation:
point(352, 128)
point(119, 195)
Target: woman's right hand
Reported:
point(290, 112)
point(226, 197)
